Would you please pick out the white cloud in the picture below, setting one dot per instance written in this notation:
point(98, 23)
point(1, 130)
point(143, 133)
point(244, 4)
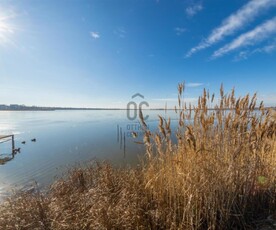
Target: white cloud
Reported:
point(266, 49)
point(243, 55)
point(252, 37)
point(179, 30)
point(234, 22)
point(120, 32)
point(95, 35)
point(194, 9)
point(193, 84)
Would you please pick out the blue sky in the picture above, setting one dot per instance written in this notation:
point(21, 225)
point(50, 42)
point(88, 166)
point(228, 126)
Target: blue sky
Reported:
point(99, 53)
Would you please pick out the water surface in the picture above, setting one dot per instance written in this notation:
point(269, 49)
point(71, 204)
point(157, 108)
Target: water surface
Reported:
point(65, 138)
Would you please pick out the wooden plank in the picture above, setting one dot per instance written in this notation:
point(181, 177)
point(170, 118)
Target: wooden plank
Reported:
point(5, 136)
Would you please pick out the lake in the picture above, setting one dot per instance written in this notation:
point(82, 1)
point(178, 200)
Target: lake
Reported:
point(65, 138)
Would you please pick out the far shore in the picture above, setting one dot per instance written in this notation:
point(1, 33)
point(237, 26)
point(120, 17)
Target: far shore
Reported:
point(112, 109)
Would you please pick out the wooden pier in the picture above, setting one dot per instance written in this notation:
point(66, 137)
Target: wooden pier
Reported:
point(4, 158)
point(3, 138)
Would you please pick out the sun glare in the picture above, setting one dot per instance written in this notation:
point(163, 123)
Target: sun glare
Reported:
point(7, 29)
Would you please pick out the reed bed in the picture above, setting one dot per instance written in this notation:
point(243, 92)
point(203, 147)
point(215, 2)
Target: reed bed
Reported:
point(219, 174)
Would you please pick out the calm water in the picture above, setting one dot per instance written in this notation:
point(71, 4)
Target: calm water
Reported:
point(65, 138)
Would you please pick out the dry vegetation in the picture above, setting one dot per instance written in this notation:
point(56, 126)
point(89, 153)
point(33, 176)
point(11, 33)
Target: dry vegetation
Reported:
point(219, 175)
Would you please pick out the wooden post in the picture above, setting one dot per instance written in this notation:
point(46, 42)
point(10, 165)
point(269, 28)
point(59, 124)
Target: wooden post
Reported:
point(13, 143)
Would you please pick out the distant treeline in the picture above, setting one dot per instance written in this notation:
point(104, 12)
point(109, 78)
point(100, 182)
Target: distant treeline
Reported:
point(16, 107)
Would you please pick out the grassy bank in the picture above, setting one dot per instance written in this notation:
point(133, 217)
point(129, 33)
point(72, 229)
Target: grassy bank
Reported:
point(221, 174)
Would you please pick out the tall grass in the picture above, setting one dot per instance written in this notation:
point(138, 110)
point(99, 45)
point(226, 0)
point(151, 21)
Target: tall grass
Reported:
point(222, 171)
point(220, 174)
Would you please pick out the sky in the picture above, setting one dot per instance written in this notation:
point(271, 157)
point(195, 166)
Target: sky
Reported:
point(98, 53)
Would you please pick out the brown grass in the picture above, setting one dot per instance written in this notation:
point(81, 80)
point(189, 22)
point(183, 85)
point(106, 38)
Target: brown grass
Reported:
point(219, 175)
